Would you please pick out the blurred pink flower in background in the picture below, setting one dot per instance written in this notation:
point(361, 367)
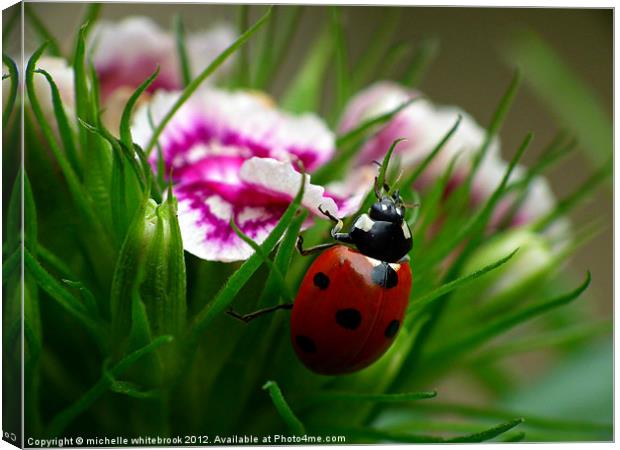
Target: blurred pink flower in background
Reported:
point(127, 52)
point(424, 125)
point(232, 156)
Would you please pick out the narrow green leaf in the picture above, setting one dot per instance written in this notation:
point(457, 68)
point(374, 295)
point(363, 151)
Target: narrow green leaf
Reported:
point(30, 221)
point(284, 410)
point(282, 46)
point(498, 118)
point(583, 192)
point(475, 228)
point(393, 59)
point(43, 31)
point(10, 264)
point(196, 82)
point(124, 153)
point(64, 129)
point(89, 299)
point(12, 96)
point(378, 45)
point(133, 390)
point(413, 218)
point(422, 58)
point(386, 161)
point(427, 299)
point(243, 66)
point(488, 434)
point(64, 298)
point(354, 397)
point(470, 411)
point(343, 88)
point(161, 166)
point(411, 179)
point(516, 437)
point(264, 62)
point(272, 291)
point(574, 103)
point(570, 336)
point(125, 126)
point(304, 92)
point(14, 231)
point(69, 414)
point(91, 16)
point(81, 84)
point(184, 62)
point(486, 332)
point(273, 269)
point(237, 280)
point(360, 130)
point(70, 176)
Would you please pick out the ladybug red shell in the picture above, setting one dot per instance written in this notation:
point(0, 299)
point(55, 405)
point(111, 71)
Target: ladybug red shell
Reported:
point(348, 310)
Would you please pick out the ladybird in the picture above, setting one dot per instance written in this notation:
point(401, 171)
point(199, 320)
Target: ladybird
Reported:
point(348, 310)
point(352, 300)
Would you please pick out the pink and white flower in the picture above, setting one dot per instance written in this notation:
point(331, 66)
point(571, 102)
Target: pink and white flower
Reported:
point(126, 53)
point(537, 203)
point(232, 156)
point(423, 124)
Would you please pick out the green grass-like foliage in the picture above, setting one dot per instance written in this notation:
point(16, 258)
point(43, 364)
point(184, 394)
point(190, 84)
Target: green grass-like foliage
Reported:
point(128, 335)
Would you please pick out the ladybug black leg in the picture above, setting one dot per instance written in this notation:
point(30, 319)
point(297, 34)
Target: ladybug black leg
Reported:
point(261, 312)
point(335, 232)
point(309, 251)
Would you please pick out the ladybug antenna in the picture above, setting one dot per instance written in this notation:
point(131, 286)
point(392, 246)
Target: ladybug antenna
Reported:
point(377, 188)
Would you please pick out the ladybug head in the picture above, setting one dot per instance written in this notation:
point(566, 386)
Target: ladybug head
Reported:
point(388, 208)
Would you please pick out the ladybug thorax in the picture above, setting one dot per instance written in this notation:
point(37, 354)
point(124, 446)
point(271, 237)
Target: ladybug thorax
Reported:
point(383, 233)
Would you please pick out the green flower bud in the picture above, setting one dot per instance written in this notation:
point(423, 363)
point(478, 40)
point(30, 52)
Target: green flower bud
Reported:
point(148, 289)
point(531, 264)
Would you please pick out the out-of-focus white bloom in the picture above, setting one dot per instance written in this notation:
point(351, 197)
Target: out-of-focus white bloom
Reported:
point(126, 53)
point(422, 123)
point(233, 156)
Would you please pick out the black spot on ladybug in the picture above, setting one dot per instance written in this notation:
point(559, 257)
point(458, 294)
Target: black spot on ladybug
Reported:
point(392, 328)
point(349, 318)
point(383, 275)
point(305, 343)
point(321, 281)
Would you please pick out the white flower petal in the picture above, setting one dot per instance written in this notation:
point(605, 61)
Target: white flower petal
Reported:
point(281, 179)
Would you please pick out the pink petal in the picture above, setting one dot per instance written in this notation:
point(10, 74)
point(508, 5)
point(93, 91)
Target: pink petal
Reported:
point(204, 219)
point(125, 53)
point(422, 123)
point(254, 192)
point(216, 122)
